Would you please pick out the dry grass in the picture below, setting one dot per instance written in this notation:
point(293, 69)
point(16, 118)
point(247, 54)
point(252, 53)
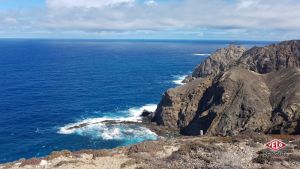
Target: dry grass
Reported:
point(293, 158)
point(195, 150)
point(56, 154)
point(8, 166)
point(253, 144)
point(130, 163)
point(95, 153)
point(211, 140)
point(32, 162)
point(149, 147)
point(142, 167)
point(262, 158)
point(285, 137)
point(297, 144)
point(199, 145)
point(65, 162)
point(201, 157)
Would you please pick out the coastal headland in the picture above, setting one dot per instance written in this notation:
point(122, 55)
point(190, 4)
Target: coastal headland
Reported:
point(223, 116)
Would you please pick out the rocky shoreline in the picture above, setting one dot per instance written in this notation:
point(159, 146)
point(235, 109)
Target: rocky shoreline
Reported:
point(240, 99)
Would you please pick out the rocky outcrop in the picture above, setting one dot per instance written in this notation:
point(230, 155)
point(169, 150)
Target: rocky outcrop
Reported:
point(237, 101)
point(219, 61)
point(179, 106)
point(284, 86)
point(259, 59)
point(274, 57)
point(258, 90)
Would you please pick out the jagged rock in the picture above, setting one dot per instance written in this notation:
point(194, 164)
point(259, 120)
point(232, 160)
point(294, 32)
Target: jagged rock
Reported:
point(179, 105)
point(219, 61)
point(237, 101)
point(188, 79)
point(274, 57)
point(285, 100)
point(146, 113)
point(238, 95)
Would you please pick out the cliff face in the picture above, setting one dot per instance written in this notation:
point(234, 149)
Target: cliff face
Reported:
point(219, 61)
point(179, 106)
point(238, 91)
point(274, 57)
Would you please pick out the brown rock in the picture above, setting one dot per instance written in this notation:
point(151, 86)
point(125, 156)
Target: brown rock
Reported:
point(258, 91)
point(274, 57)
point(219, 61)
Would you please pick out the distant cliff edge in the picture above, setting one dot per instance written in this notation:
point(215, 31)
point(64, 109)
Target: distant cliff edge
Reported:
point(237, 90)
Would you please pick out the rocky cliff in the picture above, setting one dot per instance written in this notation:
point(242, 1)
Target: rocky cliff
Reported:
point(238, 90)
point(219, 61)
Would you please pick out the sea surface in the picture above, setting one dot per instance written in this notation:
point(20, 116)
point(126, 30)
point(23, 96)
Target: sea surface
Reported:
point(47, 86)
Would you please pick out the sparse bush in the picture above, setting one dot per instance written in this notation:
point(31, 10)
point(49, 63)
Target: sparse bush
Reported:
point(129, 163)
point(149, 147)
point(141, 167)
point(201, 157)
point(260, 138)
point(294, 158)
point(33, 161)
point(95, 153)
point(65, 162)
point(101, 153)
point(252, 144)
point(265, 157)
point(212, 140)
point(288, 149)
point(56, 154)
point(297, 144)
point(283, 137)
point(174, 157)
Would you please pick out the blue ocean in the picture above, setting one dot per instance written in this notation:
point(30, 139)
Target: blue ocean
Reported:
point(48, 86)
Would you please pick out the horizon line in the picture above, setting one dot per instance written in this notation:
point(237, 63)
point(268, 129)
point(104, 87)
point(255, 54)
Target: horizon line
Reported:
point(137, 39)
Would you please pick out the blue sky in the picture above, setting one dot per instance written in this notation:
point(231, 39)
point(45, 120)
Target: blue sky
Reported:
point(151, 19)
point(18, 4)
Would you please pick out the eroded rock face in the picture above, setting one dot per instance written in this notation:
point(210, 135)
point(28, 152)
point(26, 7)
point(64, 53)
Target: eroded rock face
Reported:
point(236, 102)
point(238, 95)
point(274, 57)
point(285, 100)
point(178, 106)
point(219, 61)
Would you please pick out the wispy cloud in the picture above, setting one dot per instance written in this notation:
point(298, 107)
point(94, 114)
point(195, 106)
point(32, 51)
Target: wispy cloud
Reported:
point(242, 4)
point(86, 3)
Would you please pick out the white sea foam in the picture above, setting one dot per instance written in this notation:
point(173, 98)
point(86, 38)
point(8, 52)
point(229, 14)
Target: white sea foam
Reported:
point(178, 79)
point(97, 128)
point(201, 54)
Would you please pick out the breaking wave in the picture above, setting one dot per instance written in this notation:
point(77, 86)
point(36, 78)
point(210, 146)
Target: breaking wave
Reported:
point(201, 54)
point(178, 79)
point(110, 128)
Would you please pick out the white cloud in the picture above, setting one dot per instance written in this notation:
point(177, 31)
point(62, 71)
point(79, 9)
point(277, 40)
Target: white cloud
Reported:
point(230, 19)
point(86, 3)
point(151, 3)
point(247, 3)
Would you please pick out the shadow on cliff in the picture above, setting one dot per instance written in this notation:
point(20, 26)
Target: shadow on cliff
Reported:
point(297, 128)
point(205, 114)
